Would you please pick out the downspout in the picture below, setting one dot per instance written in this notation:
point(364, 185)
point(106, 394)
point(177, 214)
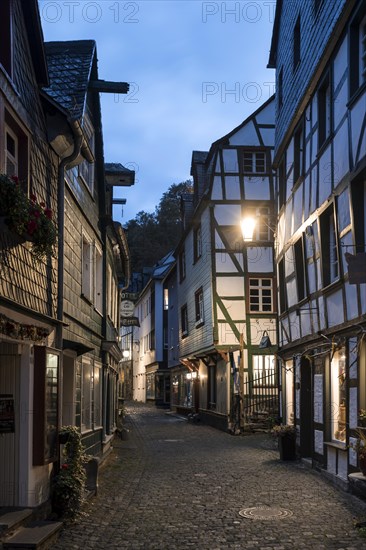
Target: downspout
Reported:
point(78, 135)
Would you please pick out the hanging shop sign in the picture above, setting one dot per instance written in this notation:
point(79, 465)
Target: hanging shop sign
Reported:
point(130, 322)
point(7, 416)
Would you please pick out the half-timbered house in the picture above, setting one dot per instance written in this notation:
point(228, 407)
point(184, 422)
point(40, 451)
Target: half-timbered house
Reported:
point(226, 288)
point(319, 52)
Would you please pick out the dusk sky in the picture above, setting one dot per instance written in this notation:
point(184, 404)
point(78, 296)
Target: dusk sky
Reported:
point(196, 70)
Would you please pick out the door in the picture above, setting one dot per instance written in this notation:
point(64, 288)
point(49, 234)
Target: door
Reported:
point(306, 408)
point(9, 424)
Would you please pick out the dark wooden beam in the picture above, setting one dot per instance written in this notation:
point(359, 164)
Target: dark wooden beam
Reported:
point(109, 87)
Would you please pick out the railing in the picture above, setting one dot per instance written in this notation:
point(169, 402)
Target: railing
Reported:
point(260, 398)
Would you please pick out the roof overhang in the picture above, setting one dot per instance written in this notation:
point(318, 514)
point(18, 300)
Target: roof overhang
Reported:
point(78, 347)
point(111, 347)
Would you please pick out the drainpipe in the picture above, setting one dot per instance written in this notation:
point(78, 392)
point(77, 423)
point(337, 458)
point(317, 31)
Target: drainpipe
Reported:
point(78, 135)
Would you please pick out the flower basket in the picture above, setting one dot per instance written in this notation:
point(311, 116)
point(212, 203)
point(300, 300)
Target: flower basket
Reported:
point(24, 219)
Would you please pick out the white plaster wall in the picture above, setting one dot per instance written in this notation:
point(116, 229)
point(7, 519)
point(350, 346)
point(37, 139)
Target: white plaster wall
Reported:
point(351, 453)
point(260, 259)
point(342, 465)
point(353, 408)
point(332, 460)
point(318, 398)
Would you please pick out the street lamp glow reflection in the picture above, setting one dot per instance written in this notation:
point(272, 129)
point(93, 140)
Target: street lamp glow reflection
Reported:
point(247, 228)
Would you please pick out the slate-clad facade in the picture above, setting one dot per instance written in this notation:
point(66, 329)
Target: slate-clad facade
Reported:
point(320, 158)
point(28, 288)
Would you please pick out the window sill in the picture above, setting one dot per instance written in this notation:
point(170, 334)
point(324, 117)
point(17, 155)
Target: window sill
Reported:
point(336, 445)
point(356, 95)
point(199, 323)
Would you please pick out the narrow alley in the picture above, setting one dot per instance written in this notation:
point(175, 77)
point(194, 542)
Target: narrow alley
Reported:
point(176, 485)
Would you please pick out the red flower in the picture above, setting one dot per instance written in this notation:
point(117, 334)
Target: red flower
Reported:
point(65, 466)
point(33, 197)
point(31, 227)
point(43, 204)
point(48, 213)
point(36, 213)
point(15, 179)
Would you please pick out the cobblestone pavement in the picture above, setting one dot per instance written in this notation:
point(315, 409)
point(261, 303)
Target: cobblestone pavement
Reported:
point(175, 485)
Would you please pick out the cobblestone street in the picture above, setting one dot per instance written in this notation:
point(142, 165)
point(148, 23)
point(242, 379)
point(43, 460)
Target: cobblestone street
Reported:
point(174, 485)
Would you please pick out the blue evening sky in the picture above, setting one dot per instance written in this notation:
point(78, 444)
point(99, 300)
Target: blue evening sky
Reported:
point(196, 69)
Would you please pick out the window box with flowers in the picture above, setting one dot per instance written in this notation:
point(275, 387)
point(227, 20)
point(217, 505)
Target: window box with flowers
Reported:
point(26, 219)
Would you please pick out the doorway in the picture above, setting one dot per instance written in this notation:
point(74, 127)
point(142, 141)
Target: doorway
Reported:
point(306, 408)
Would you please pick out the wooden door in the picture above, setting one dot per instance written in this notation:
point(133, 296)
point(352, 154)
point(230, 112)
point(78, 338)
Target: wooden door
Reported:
point(9, 440)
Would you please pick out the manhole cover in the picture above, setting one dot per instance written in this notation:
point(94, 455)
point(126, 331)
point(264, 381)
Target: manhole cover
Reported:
point(264, 512)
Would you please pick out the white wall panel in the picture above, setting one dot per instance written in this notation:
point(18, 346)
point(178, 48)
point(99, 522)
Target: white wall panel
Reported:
point(341, 155)
point(319, 442)
point(267, 136)
point(230, 158)
point(335, 308)
point(351, 301)
point(246, 135)
point(235, 308)
point(258, 326)
point(228, 214)
point(256, 188)
point(230, 286)
point(318, 398)
point(321, 313)
point(340, 63)
point(216, 193)
point(353, 408)
point(340, 104)
point(224, 263)
point(325, 175)
point(260, 259)
point(353, 354)
point(294, 326)
point(232, 188)
point(357, 117)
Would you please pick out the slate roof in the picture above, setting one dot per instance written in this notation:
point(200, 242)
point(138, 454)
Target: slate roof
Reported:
point(199, 156)
point(69, 68)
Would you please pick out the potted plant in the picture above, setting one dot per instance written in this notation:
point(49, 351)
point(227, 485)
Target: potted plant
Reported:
point(26, 219)
point(286, 435)
point(362, 417)
point(360, 449)
point(69, 483)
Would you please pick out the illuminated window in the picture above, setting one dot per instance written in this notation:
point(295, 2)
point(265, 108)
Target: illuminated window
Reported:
point(338, 395)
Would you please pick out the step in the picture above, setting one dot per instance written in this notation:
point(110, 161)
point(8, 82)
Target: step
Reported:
point(11, 518)
point(38, 534)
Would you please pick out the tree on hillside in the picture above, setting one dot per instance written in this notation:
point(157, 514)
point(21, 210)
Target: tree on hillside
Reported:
point(151, 236)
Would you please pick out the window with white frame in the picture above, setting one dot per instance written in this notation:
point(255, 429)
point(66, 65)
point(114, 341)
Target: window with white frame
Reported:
point(254, 162)
point(86, 394)
point(260, 295)
point(87, 269)
point(338, 395)
point(98, 286)
point(86, 169)
point(16, 150)
point(198, 301)
point(11, 152)
point(97, 393)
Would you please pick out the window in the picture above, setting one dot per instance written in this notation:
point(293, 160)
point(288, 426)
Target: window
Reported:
point(86, 390)
point(338, 395)
point(358, 194)
point(282, 286)
point(260, 295)
point(86, 169)
point(262, 231)
point(197, 243)
point(324, 111)
point(198, 301)
point(6, 54)
point(300, 269)
point(182, 265)
point(358, 51)
point(98, 287)
point(297, 44)
point(16, 150)
point(329, 248)
point(264, 373)
point(298, 153)
point(87, 269)
point(184, 320)
point(166, 298)
point(97, 394)
point(254, 162)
